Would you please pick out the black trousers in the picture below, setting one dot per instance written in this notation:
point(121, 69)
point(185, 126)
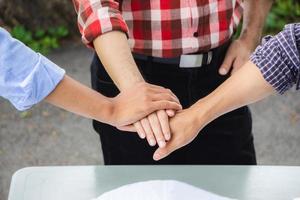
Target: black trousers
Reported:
point(227, 140)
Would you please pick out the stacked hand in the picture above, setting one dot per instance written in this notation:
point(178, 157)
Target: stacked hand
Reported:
point(184, 126)
point(153, 105)
point(155, 127)
point(164, 126)
point(187, 123)
point(138, 102)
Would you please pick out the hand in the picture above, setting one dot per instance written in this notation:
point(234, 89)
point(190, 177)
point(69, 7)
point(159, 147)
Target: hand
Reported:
point(237, 55)
point(155, 128)
point(184, 128)
point(137, 102)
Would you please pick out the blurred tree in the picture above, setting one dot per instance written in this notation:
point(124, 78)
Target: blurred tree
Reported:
point(283, 12)
point(38, 14)
point(42, 14)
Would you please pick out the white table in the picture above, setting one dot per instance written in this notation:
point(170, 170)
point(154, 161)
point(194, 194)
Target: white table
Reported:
point(86, 182)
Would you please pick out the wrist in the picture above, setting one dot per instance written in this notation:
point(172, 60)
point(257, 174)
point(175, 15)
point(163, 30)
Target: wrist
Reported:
point(199, 114)
point(204, 111)
point(131, 83)
point(105, 112)
point(251, 40)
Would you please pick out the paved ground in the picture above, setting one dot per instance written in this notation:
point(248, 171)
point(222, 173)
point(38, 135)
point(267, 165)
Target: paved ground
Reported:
point(50, 136)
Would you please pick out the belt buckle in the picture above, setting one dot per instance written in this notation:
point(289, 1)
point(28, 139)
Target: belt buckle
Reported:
point(194, 60)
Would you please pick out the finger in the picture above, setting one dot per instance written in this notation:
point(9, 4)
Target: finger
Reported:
point(170, 113)
point(161, 153)
point(234, 69)
point(171, 92)
point(239, 62)
point(165, 105)
point(160, 89)
point(149, 133)
point(237, 65)
point(164, 122)
point(153, 86)
point(128, 128)
point(227, 63)
point(157, 130)
point(147, 87)
point(166, 92)
point(139, 128)
point(164, 96)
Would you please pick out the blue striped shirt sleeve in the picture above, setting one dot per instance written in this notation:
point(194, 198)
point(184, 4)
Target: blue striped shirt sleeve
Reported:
point(26, 77)
point(278, 58)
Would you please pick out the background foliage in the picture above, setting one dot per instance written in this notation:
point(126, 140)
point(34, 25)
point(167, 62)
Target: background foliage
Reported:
point(40, 40)
point(283, 12)
point(38, 14)
point(42, 24)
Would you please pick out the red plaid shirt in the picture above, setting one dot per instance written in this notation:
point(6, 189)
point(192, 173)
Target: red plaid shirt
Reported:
point(161, 28)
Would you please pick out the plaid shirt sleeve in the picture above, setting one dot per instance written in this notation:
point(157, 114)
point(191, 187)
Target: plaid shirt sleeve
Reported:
point(278, 58)
point(96, 17)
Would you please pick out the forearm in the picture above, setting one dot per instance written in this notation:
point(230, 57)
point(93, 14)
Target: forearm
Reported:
point(244, 87)
point(276, 68)
point(115, 54)
point(77, 98)
point(255, 13)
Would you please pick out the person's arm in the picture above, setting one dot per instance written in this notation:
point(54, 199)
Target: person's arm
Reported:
point(124, 109)
point(274, 66)
point(254, 15)
point(123, 70)
point(245, 86)
point(26, 78)
point(103, 27)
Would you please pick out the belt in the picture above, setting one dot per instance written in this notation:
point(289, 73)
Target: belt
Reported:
point(184, 61)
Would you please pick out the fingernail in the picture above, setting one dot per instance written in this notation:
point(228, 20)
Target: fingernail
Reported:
point(223, 71)
point(152, 142)
point(156, 156)
point(168, 136)
point(161, 144)
point(142, 136)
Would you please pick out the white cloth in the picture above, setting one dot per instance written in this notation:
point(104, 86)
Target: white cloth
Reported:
point(159, 190)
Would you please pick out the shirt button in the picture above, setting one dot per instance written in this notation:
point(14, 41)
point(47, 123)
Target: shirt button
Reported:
point(196, 34)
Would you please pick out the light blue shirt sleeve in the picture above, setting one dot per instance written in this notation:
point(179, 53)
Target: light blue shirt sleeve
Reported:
point(26, 77)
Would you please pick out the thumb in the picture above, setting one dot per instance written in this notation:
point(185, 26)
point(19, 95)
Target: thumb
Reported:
point(238, 63)
point(169, 105)
point(161, 153)
point(227, 64)
point(170, 113)
point(128, 128)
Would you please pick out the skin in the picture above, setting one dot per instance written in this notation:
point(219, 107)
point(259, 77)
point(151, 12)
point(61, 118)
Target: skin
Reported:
point(244, 87)
point(255, 13)
point(126, 108)
point(121, 67)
